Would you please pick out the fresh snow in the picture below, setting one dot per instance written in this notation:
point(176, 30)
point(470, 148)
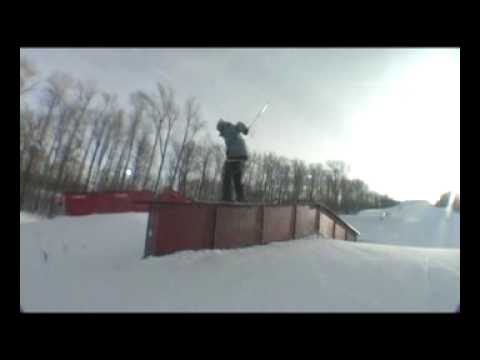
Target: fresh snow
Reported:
point(412, 223)
point(28, 218)
point(407, 261)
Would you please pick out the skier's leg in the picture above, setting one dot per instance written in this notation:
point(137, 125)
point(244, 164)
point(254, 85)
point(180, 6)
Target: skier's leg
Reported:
point(227, 182)
point(237, 179)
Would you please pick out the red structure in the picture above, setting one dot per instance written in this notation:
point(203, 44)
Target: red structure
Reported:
point(76, 204)
point(171, 196)
point(200, 225)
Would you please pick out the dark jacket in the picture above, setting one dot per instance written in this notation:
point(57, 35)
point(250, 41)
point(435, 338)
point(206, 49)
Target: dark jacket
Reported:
point(236, 148)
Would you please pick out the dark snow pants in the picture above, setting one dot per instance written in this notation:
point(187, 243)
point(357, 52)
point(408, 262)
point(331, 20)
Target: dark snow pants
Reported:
point(233, 173)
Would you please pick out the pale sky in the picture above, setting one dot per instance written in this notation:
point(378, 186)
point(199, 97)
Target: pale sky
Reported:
point(393, 114)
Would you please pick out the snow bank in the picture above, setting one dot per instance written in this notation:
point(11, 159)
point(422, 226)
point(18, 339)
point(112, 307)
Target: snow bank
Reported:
point(93, 264)
point(28, 218)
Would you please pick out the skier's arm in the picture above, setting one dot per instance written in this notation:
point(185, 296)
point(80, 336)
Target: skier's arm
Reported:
point(241, 127)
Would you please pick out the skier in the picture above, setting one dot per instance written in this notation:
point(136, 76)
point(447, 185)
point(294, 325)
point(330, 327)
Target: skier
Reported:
point(237, 155)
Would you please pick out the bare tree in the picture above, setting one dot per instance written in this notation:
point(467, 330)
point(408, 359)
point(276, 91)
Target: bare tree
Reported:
point(339, 170)
point(97, 127)
point(138, 108)
point(172, 115)
point(187, 165)
point(249, 173)
point(55, 98)
point(85, 96)
point(140, 164)
point(205, 156)
point(73, 163)
point(259, 176)
point(277, 183)
point(160, 110)
point(111, 145)
point(219, 159)
point(99, 137)
point(157, 118)
point(28, 74)
point(314, 182)
point(66, 113)
point(192, 126)
point(285, 180)
point(268, 169)
point(27, 134)
point(299, 177)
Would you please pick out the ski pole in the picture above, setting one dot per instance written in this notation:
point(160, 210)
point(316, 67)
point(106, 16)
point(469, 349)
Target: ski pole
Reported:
point(258, 115)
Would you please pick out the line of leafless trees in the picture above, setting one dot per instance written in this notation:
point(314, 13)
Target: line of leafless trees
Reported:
point(75, 138)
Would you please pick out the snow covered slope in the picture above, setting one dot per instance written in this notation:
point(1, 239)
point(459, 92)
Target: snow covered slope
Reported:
point(411, 223)
point(93, 264)
point(28, 218)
